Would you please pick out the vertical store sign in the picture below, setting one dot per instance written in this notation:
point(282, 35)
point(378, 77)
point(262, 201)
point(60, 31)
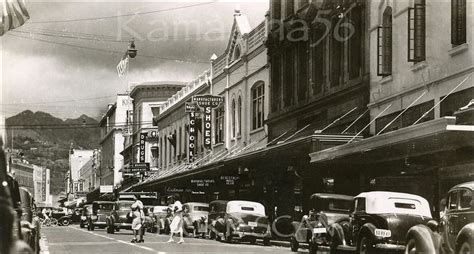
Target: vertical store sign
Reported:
point(208, 102)
point(142, 146)
point(192, 136)
point(43, 184)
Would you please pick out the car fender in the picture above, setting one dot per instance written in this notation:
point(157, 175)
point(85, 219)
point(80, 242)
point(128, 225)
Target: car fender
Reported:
point(338, 236)
point(368, 229)
point(466, 233)
point(426, 240)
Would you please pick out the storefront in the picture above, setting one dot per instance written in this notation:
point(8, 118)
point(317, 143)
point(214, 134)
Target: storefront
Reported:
point(425, 159)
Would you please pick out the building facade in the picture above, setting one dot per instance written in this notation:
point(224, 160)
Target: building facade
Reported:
point(88, 172)
point(113, 131)
point(421, 86)
point(42, 183)
point(77, 159)
point(23, 173)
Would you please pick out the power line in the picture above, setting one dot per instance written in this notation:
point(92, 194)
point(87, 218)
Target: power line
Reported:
point(68, 36)
point(48, 102)
point(107, 51)
point(123, 15)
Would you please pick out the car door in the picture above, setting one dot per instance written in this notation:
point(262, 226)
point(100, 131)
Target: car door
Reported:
point(452, 215)
point(466, 213)
point(357, 218)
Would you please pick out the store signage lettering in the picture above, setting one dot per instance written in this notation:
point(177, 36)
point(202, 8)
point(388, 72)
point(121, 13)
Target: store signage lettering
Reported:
point(153, 134)
point(229, 180)
point(202, 182)
point(190, 107)
point(208, 102)
point(192, 136)
point(142, 146)
point(137, 167)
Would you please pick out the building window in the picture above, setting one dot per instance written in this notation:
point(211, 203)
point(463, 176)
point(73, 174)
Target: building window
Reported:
point(258, 96)
point(239, 113)
point(384, 44)
point(276, 81)
point(458, 22)
point(355, 43)
point(319, 59)
point(234, 118)
point(417, 32)
point(302, 69)
point(219, 125)
point(237, 53)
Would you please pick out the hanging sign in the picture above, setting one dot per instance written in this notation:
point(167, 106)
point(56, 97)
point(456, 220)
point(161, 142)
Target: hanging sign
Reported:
point(142, 146)
point(192, 136)
point(190, 107)
point(208, 102)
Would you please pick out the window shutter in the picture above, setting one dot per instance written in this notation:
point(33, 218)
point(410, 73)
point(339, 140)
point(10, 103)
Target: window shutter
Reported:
point(416, 33)
point(458, 22)
point(380, 51)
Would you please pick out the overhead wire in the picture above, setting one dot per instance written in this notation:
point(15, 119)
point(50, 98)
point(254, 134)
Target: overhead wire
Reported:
point(122, 15)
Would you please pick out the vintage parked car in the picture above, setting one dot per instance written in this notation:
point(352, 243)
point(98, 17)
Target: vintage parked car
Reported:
point(455, 233)
point(85, 214)
point(98, 217)
point(162, 216)
point(380, 222)
point(325, 210)
point(217, 209)
point(10, 209)
point(195, 218)
point(243, 220)
point(119, 217)
point(30, 227)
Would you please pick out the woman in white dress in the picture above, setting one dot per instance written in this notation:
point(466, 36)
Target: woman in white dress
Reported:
point(176, 226)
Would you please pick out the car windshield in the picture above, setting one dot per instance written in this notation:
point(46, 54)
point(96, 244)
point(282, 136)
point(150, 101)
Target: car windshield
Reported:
point(125, 206)
point(336, 205)
point(201, 208)
point(103, 206)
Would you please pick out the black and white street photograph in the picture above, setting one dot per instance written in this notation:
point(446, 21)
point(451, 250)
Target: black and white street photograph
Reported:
point(237, 126)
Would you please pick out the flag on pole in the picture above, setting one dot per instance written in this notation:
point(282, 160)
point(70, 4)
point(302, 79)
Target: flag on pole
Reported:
point(122, 66)
point(14, 14)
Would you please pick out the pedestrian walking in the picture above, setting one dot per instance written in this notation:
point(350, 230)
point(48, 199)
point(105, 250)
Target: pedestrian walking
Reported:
point(138, 217)
point(176, 226)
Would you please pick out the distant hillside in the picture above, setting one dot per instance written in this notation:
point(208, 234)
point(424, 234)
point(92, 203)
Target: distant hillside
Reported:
point(45, 140)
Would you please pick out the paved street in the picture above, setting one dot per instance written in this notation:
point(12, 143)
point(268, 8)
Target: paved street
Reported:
point(73, 239)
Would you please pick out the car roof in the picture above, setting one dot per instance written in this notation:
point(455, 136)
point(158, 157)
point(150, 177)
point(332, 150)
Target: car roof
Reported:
point(219, 202)
point(102, 202)
point(468, 185)
point(196, 204)
point(387, 194)
point(332, 196)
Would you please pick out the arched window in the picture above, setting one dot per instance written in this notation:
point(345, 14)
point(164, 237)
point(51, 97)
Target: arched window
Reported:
point(384, 39)
point(239, 116)
point(258, 96)
point(219, 125)
point(234, 118)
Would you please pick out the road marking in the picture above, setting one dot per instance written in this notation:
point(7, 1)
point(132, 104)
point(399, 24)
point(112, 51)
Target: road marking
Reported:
point(120, 241)
point(44, 245)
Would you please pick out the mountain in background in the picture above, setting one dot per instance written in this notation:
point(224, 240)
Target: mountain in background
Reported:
point(45, 140)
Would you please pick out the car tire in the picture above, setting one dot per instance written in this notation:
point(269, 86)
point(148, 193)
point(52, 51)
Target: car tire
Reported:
point(410, 247)
point(294, 245)
point(313, 248)
point(81, 225)
point(266, 241)
point(466, 247)
point(92, 227)
point(365, 245)
point(65, 222)
point(253, 240)
point(211, 234)
point(117, 229)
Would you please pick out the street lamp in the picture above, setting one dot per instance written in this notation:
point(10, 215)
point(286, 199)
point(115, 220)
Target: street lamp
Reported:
point(132, 51)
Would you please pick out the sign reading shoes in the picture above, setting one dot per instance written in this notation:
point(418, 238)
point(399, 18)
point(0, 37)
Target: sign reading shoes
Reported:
point(207, 102)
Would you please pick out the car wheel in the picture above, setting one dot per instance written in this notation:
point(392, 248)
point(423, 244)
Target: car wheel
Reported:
point(466, 248)
point(117, 229)
point(365, 246)
point(65, 222)
point(294, 245)
point(228, 238)
point(92, 227)
point(313, 248)
point(81, 225)
point(253, 240)
point(266, 241)
point(410, 247)
point(211, 235)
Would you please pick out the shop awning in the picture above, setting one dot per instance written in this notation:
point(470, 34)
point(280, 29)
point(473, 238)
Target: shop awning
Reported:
point(427, 138)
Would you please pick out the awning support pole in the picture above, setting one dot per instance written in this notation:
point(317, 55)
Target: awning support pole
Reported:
point(292, 135)
point(399, 115)
point(373, 120)
point(335, 121)
point(355, 121)
point(439, 102)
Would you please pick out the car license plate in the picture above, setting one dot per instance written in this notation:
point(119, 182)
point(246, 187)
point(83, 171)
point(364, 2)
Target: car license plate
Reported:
point(382, 233)
point(252, 223)
point(319, 230)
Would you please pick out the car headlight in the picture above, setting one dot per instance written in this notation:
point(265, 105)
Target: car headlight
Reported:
point(93, 217)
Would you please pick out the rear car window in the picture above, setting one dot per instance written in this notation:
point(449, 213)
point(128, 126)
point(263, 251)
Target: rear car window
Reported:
point(405, 205)
point(244, 208)
point(340, 205)
point(466, 199)
point(201, 208)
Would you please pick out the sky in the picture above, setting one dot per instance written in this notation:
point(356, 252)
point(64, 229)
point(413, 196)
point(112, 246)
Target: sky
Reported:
point(69, 68)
